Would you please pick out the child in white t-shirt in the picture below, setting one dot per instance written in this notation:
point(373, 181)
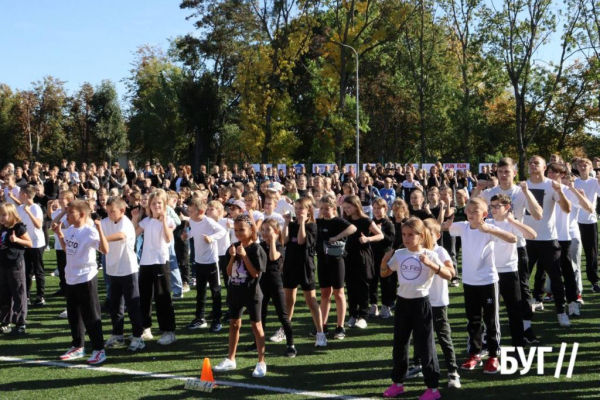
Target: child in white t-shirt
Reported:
point(416, 265)
point(507, 264)
point(155, 272)
point(205, 232)
point(480, 278)
point(33, 217)
point(216, 211)
point(439, 299)
point(80, 242)
point(123, 269)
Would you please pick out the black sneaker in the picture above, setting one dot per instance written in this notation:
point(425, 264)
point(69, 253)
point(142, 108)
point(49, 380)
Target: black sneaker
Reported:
point(414, 371)
point(17, 331)
point(251, 348)
point(595, 288)
point(197, 324)
point(313, 333)
point(530, 337)
point(40, 302)
point(340, 333)
point(291, 351)
point(216, 326)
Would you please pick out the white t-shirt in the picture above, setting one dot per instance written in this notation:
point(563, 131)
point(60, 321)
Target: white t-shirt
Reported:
point(258, 216)
point(546, 197)
point(36, 234)
point(438, 292)
point(479, 267)
point(121, 259)
point(65, 225)
point(414, 278)
point(277, 217)
point(224, 243)
point(283, 206)
point(563, 219)
point(505, 254)
point(15, 191)
point(81, 245)
point(156, 249)
point(518, 204)
point(205, 253)
point(591, 188)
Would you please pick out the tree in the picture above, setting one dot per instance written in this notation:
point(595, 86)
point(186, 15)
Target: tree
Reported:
point(156, 128)
point(516, 32)
point(110, 134)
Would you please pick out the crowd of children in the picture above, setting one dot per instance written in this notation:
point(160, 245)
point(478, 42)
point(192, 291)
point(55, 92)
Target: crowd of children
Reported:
point(383, 243)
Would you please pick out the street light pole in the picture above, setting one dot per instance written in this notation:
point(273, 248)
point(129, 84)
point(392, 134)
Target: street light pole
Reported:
point(357, 108)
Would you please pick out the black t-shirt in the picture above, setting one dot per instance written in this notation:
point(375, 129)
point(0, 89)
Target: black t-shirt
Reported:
point(365, 194)
point(389, 235)
point(297, 255)
point(273, 265)
point(240, 277)
point(51, 188)
point(11, 254)
point(460, 214)
point(398, 234)
point(422, 214)
point(353, 244)
point(328, 228)
point(41, 201)
point(435, 211)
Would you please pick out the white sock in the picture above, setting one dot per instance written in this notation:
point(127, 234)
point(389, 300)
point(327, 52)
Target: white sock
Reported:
point(526, 325)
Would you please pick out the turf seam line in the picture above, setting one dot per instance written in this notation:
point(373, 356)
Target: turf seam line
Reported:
point(180, 378)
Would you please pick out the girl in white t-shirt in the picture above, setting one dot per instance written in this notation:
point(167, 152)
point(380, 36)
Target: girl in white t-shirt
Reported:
point(155, 272)
point(416, 266)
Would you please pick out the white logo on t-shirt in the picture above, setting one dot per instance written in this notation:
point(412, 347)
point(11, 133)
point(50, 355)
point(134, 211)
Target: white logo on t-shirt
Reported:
point(411, 269)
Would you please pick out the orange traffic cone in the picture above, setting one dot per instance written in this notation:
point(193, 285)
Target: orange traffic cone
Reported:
point(207, 375)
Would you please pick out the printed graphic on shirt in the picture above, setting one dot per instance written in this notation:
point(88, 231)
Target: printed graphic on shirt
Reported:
point(538, 194)
point(72, 245)
point(239, 272)
point(411, 268)
point(3, 240)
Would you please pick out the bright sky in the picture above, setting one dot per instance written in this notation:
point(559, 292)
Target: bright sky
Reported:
point(82, 41)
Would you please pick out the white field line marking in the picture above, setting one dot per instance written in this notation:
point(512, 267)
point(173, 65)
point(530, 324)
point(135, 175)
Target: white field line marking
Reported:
point(179, 378)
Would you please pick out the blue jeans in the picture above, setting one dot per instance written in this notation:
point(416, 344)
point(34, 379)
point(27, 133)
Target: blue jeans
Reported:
point(176, 284)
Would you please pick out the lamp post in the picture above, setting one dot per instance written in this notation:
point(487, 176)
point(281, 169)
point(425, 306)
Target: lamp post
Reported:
point(357, 109)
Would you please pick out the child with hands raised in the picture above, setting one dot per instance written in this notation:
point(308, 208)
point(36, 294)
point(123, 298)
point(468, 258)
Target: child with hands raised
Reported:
point(14, 239)
point(155, 280)
point(247, 260)
point(416, 265)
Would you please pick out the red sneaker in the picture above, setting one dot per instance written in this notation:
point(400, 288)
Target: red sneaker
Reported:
point(492, 366)
point(473, 361)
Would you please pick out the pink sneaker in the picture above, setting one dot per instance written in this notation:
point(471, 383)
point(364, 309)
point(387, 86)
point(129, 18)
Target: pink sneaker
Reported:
point(394, 391)
point(430, 395)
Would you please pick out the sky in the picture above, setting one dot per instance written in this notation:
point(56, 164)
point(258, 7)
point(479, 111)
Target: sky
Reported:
point(82, 41)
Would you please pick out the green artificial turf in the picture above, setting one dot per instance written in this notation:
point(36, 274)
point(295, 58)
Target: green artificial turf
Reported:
point(358, 366)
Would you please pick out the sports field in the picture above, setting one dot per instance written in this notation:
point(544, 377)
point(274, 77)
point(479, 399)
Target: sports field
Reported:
point(357, 367)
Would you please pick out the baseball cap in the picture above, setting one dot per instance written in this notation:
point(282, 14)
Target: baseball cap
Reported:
point(238, 203)
point(275, 187)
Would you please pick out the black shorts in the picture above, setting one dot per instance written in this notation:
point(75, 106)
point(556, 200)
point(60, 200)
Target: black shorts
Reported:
point(243, 297)
point(331, 271)
point(291, 280)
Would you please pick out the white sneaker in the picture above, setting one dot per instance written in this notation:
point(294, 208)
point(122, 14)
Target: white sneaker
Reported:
point(374, 310)
point(167, 338)
point(385, 312)
point(147, 335)
point(361, 323)
point(63, 315)
point(98, 357)
point(563, 320)
point(137, 343)
point(351, 322)
point(279, 336)
point(574, 308)
point(115, 341)
point(453, 381)
point(536, 305)
point(54, 273)
point(260, 371)
point(321, 340)
point(226, 365)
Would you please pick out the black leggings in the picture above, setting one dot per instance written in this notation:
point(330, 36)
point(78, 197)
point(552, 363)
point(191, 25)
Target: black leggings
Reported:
point(271, 285)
